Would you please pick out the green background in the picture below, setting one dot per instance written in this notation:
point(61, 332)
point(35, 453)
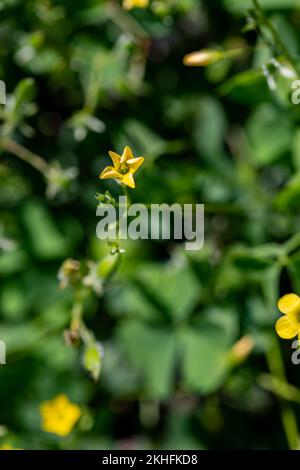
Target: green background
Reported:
point(101, 78)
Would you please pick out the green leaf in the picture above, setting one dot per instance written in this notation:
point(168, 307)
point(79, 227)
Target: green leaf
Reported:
point(14, 300)
point(152, 352)
point(296, 150)
point(255, 259)
point(246, 87)
point(270, 134)
point(45, 239)
point(171, 286)
point(205, 358)
point(210, 127)
point(289, 197)
point(13, 262)
point(24, 91)
point(241, 6)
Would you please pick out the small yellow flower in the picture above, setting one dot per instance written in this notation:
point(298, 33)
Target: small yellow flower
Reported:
point(7, 446)
point(129, 4)
point(124, 167)
point(288, 326)
point(59, 415)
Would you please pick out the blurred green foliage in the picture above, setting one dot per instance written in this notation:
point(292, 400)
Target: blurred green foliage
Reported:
point(86, 77)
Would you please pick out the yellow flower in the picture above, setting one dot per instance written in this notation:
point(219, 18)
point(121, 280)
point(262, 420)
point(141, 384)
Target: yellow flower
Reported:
point(6, 446)
point(288, 326)
point(124, 167)
point(129, 4)
point(59, 415)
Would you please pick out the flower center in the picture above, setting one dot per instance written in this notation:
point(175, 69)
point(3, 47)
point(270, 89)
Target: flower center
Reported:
point(123, 169)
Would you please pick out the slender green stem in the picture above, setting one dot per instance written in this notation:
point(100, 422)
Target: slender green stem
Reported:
point(76, 316)
point(278, 41)
point(86, 335)
point(77, 323)
point(26, 155)
point(126, 194)
point(280, 388)
point(292, 244)
point(125, 21)
point(276, 366)
point(94, 85)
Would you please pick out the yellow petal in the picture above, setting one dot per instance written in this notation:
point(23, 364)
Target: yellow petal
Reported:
point(128, 180)
point(135, 163)
point(61, 400)
point(286, 328)
point(115, 159)
point(127, 154)
point(129, 4)
point(110, 172)
point(289, 304)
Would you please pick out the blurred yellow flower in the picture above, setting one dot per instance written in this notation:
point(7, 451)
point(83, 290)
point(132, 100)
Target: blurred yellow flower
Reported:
point(124, 167)
point(129, 4)
point(288, 326)
point(7, 446)
point(59, 415)
point(242, 348)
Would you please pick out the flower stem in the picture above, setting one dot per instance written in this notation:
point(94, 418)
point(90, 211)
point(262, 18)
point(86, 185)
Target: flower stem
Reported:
point(278, 41)
point(125, 21)
point(77, 323)
point(126, 194)
point(276, 366)
point(26, 155)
